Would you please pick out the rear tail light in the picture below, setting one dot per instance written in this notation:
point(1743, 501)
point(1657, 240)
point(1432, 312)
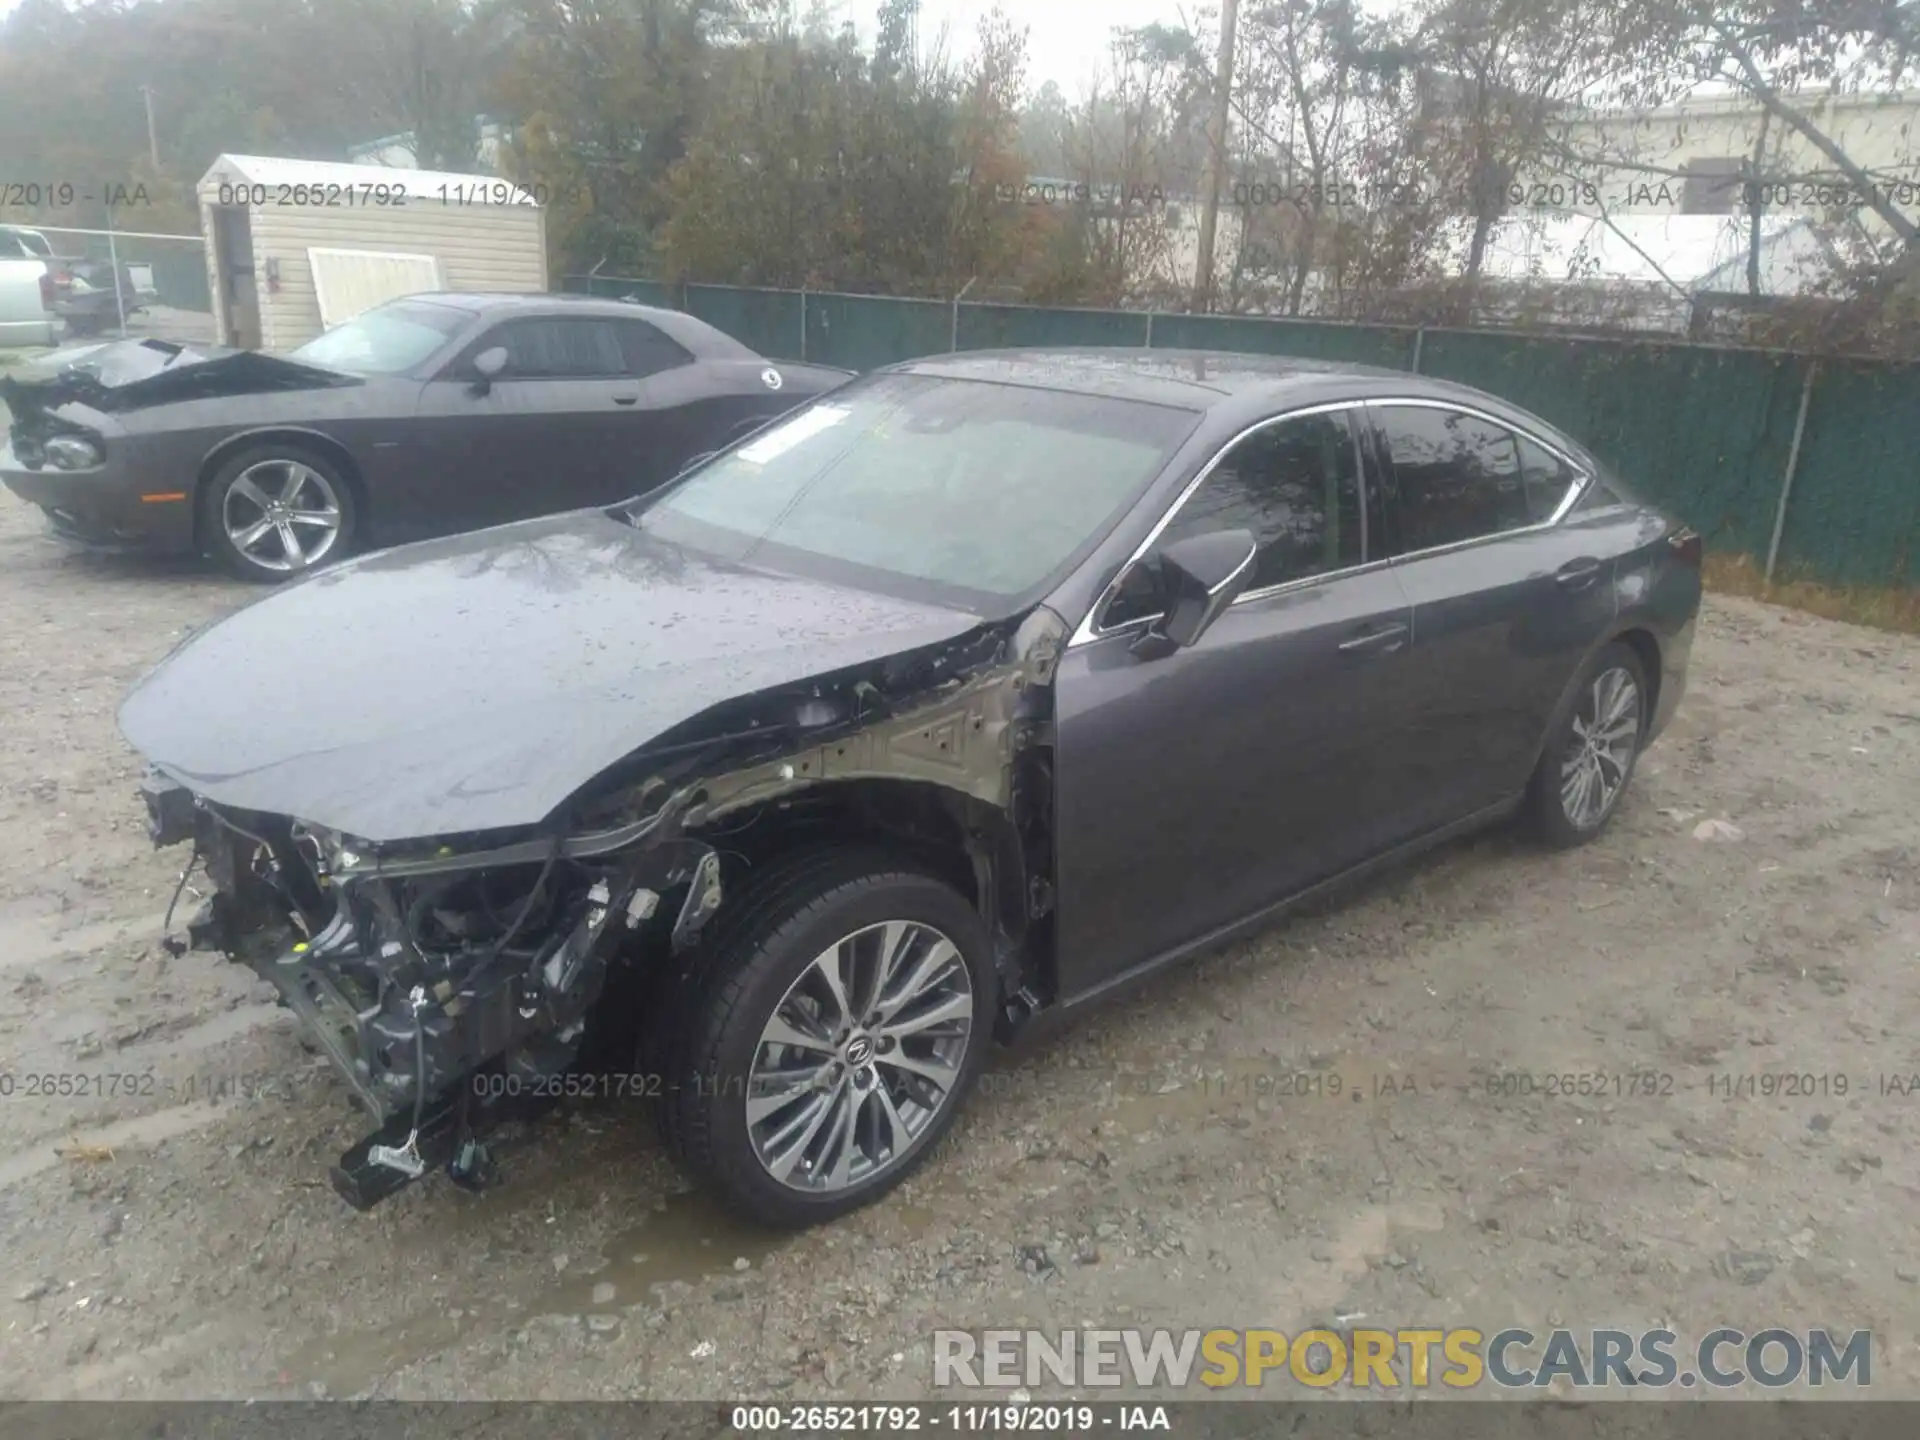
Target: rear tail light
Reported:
point(1686, 545)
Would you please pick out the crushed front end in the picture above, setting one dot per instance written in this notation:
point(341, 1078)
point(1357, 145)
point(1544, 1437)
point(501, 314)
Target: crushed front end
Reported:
point(424, 974)
point(460, 979)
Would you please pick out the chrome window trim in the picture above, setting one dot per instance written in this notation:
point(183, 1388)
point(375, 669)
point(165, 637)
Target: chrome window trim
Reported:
point(1252, 559)
point(1087, 632)
point(1582, 476)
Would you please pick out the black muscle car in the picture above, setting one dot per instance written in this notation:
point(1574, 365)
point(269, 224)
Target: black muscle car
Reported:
point(423, 416)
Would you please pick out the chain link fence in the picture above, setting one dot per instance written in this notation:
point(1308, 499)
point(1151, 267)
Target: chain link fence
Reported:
point(162, 287)
point(1806, 465)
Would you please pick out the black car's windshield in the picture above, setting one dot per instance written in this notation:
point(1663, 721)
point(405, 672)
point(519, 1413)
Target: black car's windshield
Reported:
point(964, 492)
point(387, 340)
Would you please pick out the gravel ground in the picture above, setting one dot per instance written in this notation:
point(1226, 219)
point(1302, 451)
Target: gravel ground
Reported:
point(174, 1237)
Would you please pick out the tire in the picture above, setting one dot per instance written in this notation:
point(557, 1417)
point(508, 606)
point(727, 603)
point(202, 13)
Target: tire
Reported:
point(1562, 809)
point(242, 494)
point(813, 1155)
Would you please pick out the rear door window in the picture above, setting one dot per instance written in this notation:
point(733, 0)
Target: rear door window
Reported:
point(1456, 477)
point(1547, 478)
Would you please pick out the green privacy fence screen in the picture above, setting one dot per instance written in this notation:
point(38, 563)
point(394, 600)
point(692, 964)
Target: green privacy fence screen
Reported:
point(1706, 431)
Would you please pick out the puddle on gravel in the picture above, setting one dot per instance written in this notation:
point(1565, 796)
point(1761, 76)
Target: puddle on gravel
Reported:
point(689, 1239)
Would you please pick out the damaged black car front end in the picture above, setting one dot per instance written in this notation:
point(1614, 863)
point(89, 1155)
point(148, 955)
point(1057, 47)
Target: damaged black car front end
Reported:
point(706, 800)
point(419, 974)
point(456, 979)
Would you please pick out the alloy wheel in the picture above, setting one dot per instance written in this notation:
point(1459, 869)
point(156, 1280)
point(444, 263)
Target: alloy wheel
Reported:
point(282, 515)
point(1600, 750)
point(862, 1053)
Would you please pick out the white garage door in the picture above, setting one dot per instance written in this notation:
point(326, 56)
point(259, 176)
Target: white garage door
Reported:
point(349, 281)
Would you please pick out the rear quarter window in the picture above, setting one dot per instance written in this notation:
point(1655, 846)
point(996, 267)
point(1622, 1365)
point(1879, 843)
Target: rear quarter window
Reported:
point(1604, 492)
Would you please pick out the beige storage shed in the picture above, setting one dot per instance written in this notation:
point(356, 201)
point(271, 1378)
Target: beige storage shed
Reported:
point(297, 246)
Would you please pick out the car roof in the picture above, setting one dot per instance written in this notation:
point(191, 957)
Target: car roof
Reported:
point(1192, 379)
point(533, 300)
point(696, 335)
point(1228, 385)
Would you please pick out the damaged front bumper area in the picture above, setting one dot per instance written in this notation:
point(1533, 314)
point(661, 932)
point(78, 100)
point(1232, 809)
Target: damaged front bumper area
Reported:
point(453, 979)
point(449, 990)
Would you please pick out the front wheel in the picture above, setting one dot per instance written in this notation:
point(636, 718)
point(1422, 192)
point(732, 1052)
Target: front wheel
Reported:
point(275, 511)
point(840, 1020)
point(1589, 759)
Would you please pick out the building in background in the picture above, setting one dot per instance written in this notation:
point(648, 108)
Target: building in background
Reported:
point(398, 150)
point(1691, 157)
point(283, 265)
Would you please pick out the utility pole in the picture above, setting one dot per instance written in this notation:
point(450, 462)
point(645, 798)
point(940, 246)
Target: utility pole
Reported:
point(153, 136)
point(1216, 156)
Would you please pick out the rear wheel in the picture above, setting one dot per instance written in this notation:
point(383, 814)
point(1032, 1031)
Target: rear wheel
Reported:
point(274, 511)
point(835, 1028)
point(1589, 759)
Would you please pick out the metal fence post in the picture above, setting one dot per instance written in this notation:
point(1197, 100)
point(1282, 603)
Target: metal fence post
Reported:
point(113, 262)
point(953, 336)
point(1793, 465)
point(1149, 329)
point(803, 323)
point(1419, 340)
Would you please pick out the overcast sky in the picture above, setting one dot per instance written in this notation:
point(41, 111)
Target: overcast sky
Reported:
point(1066, 40)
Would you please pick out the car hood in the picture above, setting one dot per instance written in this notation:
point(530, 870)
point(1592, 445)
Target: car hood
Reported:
point(474, 683)
point(137, 374)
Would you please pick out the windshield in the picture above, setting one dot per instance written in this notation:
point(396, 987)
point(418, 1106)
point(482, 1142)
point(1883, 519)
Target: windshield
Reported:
point(962, 492)
point(387, 340)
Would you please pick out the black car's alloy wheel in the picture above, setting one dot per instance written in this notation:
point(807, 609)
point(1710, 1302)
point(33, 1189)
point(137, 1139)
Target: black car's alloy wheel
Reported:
point(1585, 767)
point(272, 512)
point(835, 1023)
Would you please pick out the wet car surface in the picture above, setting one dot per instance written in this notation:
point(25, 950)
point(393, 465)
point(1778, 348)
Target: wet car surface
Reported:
point(973, 692)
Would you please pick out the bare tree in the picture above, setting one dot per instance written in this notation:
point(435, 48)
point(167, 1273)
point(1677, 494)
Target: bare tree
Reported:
point(1496, 74)
point(1130, 146)
point(1335, 200)
point(1787, 59)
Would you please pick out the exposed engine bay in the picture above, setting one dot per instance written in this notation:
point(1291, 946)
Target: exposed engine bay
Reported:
point(451, 980)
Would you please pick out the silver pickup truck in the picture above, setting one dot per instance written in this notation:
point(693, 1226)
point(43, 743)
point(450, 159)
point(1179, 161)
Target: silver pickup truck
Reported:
point(27, 291)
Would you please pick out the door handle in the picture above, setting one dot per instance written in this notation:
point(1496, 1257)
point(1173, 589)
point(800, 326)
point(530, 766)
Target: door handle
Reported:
point(633, 399)
point(1383, 641)
point(1577, 574)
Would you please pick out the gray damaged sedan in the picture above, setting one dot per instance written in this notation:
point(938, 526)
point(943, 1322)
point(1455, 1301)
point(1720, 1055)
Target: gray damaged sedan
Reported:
point(424, 416)
point(955, 701)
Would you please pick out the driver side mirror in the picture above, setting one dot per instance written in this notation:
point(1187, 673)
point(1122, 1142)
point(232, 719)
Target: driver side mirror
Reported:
point(487, 366)
point(1199, 577)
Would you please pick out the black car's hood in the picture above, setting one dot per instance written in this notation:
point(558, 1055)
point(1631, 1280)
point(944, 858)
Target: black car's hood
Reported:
point(135, 374)
point(474, 683)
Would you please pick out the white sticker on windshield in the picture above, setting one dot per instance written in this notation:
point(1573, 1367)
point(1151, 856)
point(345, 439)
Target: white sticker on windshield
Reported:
point(783, 438)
